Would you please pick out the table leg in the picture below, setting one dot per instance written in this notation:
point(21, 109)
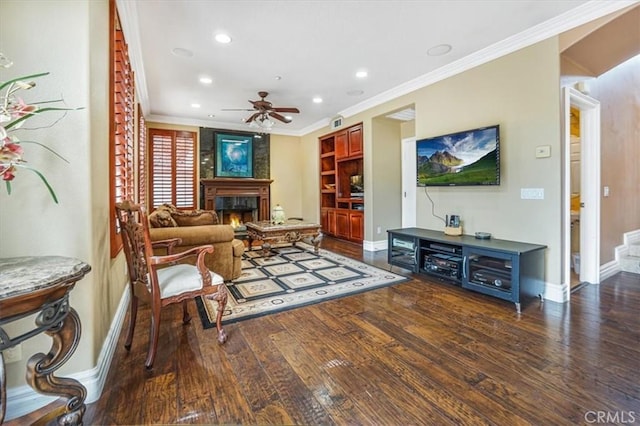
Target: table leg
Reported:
point(316, 242)
point(40, 369)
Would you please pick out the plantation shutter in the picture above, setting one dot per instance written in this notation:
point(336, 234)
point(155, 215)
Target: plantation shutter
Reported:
point(185, 170)
point(121, 130)
point(173, 173)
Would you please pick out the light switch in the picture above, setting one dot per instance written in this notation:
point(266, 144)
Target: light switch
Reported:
point(606, 191)
point(543, 151)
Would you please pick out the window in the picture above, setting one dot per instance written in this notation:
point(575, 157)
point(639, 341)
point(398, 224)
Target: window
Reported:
point(172, 164)
point(121, 127)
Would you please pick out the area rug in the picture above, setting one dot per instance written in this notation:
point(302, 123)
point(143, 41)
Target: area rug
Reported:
point(291, 277)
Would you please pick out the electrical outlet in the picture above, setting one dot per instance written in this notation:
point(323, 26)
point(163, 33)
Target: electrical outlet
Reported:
point(379, 230)
point(532, 193)
point(13, 354)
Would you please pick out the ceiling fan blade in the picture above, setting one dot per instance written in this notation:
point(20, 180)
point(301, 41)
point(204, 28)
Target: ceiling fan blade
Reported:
point(253, 117)
point(279, 117)
point(291, 110)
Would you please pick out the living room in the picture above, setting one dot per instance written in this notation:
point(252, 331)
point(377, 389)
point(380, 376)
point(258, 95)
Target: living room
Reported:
point(520, 91)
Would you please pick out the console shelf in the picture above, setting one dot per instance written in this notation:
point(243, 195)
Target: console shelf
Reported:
point(508, 270)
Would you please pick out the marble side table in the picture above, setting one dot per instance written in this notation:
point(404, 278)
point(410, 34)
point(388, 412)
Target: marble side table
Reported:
point(41, 285)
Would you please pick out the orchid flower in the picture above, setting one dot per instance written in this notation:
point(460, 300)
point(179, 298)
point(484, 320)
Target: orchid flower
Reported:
point(14, 111)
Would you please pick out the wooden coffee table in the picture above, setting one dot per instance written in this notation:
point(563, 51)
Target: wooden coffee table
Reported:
point(291, 231)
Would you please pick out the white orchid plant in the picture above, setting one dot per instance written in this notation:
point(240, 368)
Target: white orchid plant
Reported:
point(14, 112)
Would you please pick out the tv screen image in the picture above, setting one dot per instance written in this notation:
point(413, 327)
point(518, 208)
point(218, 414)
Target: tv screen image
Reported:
point(470, 157)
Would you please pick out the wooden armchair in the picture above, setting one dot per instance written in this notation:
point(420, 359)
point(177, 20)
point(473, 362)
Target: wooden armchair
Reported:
point(159, 280)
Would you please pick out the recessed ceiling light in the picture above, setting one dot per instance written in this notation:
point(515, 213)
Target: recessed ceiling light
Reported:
point(223, 38)
point(355, 92)
point(211, 115)
point(182, 52)
point(195, 105)
point(317, 100)
point(278, 77)
point(439, 50)
point(361, 74)
point(206, 80)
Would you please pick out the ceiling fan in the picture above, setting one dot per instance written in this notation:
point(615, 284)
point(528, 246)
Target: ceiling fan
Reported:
point(265, 109)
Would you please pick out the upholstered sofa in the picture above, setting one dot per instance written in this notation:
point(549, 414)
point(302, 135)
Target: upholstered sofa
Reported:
point(196, 228)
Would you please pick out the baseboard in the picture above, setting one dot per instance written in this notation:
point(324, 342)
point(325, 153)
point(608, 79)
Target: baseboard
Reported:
point(374, 245)
point(556, 292)
point(23, 400)
point(610, 269)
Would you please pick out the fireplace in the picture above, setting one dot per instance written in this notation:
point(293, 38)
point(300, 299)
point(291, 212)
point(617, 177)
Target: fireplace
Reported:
point(243, 200)
point(236, 211)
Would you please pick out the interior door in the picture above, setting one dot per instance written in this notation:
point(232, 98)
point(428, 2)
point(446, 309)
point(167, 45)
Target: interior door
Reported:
point(589, 186)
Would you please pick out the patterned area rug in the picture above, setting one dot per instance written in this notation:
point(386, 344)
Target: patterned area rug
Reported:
point(294, 276)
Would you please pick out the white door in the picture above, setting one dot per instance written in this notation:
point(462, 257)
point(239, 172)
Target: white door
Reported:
point(589, 186)
point(409, 182)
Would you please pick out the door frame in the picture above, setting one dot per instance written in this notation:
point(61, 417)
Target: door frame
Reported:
point(589, 186)
point(409, 186)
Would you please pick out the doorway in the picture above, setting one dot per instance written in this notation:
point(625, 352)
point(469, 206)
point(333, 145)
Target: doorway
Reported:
point(587, 214)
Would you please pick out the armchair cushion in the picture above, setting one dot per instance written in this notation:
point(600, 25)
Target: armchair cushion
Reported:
point(162, 219)
point(182, 278)
point(195, 217)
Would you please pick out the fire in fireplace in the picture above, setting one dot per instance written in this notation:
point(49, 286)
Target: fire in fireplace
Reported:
point(236, 211)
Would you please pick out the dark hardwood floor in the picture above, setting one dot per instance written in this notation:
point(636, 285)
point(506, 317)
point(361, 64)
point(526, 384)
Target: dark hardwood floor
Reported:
point(416, 353)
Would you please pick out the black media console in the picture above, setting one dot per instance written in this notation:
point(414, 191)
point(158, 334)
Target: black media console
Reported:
point(508, 270)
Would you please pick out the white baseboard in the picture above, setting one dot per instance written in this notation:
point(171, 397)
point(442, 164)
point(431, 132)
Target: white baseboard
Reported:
point(610, 269)
point(374, 245)
point(555, 292)
point(23, 400)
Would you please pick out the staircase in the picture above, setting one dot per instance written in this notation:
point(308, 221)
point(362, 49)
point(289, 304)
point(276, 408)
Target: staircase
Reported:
point(630, 262)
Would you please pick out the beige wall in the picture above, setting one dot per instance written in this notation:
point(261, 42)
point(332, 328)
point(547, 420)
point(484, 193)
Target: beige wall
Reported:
point(521, 93)
point(383, 179)
point(619, 94)
point(37, 36)
point(286, 173)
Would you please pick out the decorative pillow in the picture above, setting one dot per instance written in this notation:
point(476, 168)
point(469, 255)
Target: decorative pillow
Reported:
point(195, 217)
point(161, 219)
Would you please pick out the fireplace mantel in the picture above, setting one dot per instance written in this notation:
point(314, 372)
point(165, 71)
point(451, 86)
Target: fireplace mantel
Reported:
point(237, 187)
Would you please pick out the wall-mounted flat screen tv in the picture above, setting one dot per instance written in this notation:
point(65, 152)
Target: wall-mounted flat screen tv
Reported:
point(470, 157)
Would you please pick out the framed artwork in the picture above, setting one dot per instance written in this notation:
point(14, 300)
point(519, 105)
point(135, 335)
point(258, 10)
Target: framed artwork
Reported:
point(234, 155)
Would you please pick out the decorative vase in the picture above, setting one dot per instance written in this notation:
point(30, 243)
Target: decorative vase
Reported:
point(277, 215)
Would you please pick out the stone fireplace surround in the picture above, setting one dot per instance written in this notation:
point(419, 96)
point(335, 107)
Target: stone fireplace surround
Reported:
point(237, 187)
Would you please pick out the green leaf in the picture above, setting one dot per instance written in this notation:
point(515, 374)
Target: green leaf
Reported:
point(8, 185)
point(26, 77)
point(24, 117)
point(53, 194)
point(45, 147)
